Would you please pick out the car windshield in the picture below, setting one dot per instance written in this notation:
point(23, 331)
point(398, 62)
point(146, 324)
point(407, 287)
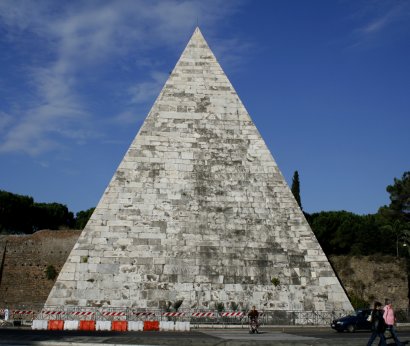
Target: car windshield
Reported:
point(362, 312)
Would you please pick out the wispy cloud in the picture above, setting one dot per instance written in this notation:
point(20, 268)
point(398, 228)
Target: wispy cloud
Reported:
point(146, 91)
point(77, 39)
point(377, 19)
point(5, 120)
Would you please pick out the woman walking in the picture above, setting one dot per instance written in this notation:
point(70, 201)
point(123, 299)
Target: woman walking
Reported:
point(390, 320)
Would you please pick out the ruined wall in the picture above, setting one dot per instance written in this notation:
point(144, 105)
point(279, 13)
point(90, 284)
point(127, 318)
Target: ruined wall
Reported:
point(23, 280)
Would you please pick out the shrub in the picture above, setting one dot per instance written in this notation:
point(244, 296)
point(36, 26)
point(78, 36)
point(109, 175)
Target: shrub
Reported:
point(220, 306)
point(234, 306)
point(275, 281)
point(358, 302)
point(51, 272)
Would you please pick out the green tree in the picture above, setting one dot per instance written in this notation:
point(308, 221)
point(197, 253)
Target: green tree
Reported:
point(20, 214)
point(82, 218)
point(296, 188)
point(15, 215)
point(399, 207)
point(345, 233)
point(51, 216)
point(400, 231)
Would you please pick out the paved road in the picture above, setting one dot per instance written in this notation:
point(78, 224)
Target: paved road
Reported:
point(202, 337)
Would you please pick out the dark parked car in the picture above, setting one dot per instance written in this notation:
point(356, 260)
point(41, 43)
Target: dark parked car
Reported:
point(352, 323)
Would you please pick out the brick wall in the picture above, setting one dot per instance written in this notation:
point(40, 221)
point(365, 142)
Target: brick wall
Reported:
point(23, 280)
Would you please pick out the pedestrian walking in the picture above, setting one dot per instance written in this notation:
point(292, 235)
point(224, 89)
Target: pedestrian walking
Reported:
point(378, 325)
point(390, 320)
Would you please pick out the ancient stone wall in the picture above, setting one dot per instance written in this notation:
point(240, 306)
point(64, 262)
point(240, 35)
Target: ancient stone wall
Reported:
point(24, 281)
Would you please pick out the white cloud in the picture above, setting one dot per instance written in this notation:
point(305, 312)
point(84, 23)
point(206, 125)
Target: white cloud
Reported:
point(5, 120)
point(74, 38)
point(146, 91)
point(378, 18)
point(127, 117)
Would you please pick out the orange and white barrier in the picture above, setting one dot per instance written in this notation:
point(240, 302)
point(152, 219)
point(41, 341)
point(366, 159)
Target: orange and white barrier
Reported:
point(119, 326)
point(55, 325)
point(182, 326)
point(167, 326)
point(39, 325)
point(103, 325)
point(71, 325)
point(88, 325)
point(116, 319)
point(136, 326)
point(151, 326)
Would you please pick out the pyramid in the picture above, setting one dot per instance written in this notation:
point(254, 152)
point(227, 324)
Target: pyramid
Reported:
point(198, 211)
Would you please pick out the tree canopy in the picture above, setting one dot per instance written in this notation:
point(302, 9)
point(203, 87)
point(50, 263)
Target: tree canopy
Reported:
point(399, 207)
point(20, 214)
point(296, 188)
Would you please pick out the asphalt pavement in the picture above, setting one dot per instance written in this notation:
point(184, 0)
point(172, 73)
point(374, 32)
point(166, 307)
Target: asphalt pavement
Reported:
point(277, 336)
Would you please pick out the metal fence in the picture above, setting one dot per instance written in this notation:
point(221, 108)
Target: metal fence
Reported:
point(195, 317)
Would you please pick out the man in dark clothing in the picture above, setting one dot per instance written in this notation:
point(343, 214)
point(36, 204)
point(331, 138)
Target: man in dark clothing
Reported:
point(253, 314)
point(378, 325)
point(253, 320)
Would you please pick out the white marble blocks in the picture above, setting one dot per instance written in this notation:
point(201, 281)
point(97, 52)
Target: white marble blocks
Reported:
point(198, 211)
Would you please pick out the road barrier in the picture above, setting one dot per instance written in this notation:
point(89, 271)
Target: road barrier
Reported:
point(39, 325)
point(71, 325)
point(133, 319)
point(87, 325)
point(119, 326)
point(55, 325)
point(103, 325)
point(151, 326)
point(136, 326)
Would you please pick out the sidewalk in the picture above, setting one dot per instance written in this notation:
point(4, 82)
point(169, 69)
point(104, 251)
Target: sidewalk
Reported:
point(202, 337)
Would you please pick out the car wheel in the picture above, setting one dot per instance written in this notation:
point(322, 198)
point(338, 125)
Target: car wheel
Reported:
point(350, 328)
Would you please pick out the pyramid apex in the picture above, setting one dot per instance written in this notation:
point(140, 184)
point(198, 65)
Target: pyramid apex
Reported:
point(197, 33)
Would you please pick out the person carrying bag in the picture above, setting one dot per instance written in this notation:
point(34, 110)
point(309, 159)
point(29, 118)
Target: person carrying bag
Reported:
point(378, 325)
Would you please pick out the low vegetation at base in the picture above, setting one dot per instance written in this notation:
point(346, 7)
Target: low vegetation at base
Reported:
point(51, 272)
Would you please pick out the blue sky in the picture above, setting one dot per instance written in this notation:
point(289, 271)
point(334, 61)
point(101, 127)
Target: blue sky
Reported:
point(327, 83)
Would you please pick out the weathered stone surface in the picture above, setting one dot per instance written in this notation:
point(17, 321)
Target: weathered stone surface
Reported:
point(198, 210)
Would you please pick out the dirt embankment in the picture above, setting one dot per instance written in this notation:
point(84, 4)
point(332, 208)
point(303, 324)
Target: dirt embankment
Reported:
point(374, 277)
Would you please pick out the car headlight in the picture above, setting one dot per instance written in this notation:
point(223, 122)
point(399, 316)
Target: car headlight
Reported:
point(339, 322)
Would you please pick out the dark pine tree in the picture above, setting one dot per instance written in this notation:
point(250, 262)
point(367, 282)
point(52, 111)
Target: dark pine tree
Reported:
point(296, 188)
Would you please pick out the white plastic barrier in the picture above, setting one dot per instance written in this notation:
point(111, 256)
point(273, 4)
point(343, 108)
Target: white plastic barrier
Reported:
point(182, 326)
point(103, 325)
point(71, 325)
point(136, 326)
point(39, 325)
point(166, 326)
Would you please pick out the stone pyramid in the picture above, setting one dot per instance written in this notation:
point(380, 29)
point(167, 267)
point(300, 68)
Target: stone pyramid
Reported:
point(198, 211)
